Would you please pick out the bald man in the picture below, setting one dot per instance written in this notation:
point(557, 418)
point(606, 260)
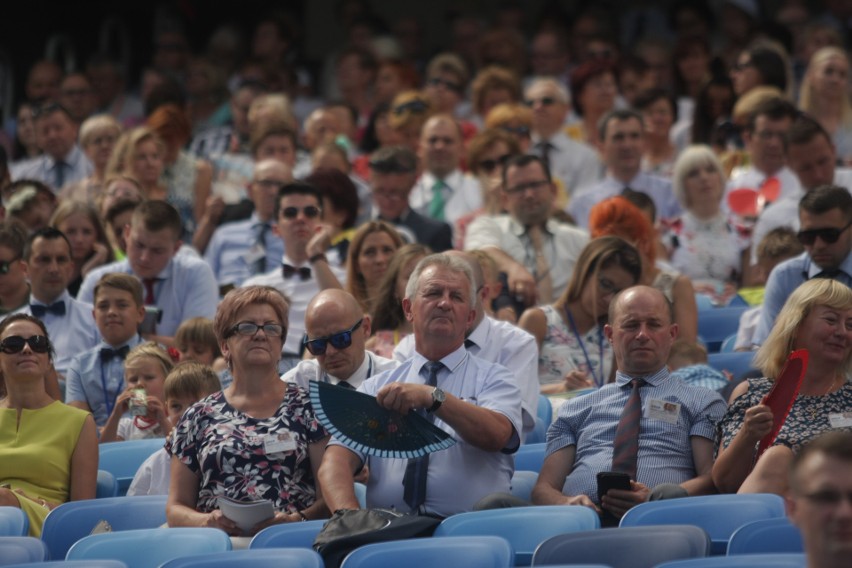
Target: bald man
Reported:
point(498, 342)
point(246, 248)
point(337, 329)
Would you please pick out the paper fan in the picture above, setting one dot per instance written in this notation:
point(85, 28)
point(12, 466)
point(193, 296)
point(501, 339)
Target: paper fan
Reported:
point(784, 392)
point(356, 420)
point(744, 202)
point(770, 189)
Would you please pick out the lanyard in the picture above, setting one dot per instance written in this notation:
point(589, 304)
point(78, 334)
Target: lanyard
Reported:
point(598, 381)
point(109, 404)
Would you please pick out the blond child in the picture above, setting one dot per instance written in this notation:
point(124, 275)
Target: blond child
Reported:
point(688, 361)
point(145, 369)
point(188, 383)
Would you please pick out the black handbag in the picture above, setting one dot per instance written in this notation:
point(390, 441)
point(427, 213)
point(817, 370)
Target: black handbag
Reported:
point(348, 529)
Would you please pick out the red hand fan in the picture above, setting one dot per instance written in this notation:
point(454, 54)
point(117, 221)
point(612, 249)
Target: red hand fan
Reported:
point(784, 392)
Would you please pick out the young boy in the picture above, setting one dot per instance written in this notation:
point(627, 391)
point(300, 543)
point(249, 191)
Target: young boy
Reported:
point(188, 383)
point(96, 377)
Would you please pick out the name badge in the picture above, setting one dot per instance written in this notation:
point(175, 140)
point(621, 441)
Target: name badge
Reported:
point(255, 253)
point(278, 443)
point(840, 419)
point(664, 410)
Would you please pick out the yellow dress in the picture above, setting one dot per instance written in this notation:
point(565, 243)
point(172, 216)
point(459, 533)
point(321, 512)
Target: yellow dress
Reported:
point(36, 457)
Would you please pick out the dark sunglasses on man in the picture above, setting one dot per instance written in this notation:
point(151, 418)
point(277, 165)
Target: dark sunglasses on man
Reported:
point(828, 235)
point(339, 340)
point(311, 212)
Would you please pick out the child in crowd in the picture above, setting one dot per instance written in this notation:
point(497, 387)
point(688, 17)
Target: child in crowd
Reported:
point(145, 369)
point(195, 340)
point(96, 377)
point(777, 246)
point(688, 362)
point(188, 383)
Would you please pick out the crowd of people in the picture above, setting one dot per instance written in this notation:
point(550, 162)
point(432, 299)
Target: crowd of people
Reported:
point(457, 234)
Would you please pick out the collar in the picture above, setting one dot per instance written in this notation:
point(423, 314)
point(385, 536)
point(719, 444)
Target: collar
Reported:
point(360, 374)
point(403, 217)
point(451, 361)
point(813, 269)
point(287, 260)
point(481, 333)
point(63, 297)
point(654, 379)
point(519, 230)
point(70, 159)
point(557, 140)
point(453, 180)
point(132, 342)
point(634, 183)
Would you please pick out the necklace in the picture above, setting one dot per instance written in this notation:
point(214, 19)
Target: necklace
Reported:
point(813, 411)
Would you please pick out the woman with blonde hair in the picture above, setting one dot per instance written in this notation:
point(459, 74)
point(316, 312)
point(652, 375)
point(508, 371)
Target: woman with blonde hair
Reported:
point(824, 94)
point(98, 135)
point(139, 153)
point(90, 246)
point(370, 253)
point(817, 317)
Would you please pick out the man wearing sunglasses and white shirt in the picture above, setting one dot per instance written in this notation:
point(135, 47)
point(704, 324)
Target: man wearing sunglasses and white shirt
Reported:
point(825, 216)
point(305, 268)
point(337, 330)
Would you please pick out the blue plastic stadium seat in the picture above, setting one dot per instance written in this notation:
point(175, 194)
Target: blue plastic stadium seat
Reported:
point(122, 459)
point(491, 551)
point(742, 561)
point(766, 536)
point(717, 324)
point(150, 548)
point(13, 522)
point(21, 550)
point(288, 535)
point(257, 558)
point(529, 457)
point(737, 363)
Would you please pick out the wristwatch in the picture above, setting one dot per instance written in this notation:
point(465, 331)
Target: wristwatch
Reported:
point(438, 398)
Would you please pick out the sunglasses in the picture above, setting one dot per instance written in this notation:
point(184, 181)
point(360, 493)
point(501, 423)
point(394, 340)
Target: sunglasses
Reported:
point(828, 236)
point(250, 328)
point(339, 340)
point(517, 130)
point(6, 265)
point(311, 212)
point(436, 82)
point(490, 165)
point(15, 344)
point(545, 101)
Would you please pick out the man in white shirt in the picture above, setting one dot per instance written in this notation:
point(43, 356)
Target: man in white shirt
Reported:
point(622, 134)
point(572, 164)
point(536, 252)
point(337, 330)
point(443, 191)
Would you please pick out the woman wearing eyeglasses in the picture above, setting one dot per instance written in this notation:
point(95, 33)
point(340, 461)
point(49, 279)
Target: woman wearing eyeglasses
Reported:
point(817, 317)
point(256, 440)
point(41, 466)
point(573, 353)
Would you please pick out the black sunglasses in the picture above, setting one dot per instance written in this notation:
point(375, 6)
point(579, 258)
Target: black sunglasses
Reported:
point(339, 340)
point(517, 130)
point(545, 101)
point(828, 236)
point(6, 265)
point(438, 82)
point(251, 328)
point(489, 165)
point(311, 212)
point(15, 344)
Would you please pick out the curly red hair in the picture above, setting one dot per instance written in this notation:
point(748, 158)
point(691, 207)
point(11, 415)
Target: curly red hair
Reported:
point(617, 216)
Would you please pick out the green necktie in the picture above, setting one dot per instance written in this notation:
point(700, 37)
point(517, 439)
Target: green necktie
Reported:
point(436, 206)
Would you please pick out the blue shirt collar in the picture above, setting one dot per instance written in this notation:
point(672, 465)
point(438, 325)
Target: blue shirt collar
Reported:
point(654, 379)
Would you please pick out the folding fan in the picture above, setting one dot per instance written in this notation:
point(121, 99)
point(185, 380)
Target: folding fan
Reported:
point(783, 394)
point(356, 420)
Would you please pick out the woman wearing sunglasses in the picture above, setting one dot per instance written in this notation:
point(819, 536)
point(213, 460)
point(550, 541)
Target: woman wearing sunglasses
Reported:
point(817, 317)
point(258, 439)
point(41, 466)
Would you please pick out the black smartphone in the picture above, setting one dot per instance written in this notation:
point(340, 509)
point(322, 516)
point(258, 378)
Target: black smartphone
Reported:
point(612, 480)
point(152, 317)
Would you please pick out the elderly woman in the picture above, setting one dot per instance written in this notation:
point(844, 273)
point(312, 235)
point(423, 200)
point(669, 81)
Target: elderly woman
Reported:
point(259, 438)
point(824, 94)
point(816, 317)
point(98, 135)
point(370, 253)
point(700, 243)
point(572, 351)
point(41, 466)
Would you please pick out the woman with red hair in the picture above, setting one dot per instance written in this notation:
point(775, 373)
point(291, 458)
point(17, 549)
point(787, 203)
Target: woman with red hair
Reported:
point(617, 216)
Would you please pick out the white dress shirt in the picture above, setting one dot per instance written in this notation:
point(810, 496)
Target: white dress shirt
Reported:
point(573, 163)
point(310, 370)
point(462, 195)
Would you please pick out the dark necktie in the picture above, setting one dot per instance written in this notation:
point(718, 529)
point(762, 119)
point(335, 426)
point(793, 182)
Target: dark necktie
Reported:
point(108, 353)
point(831, 273)
point(417, 470)
point(545, 148)
point(39, 310)
point(260, 231)
point(470, 344)
point(288, 271)
point(345, 385)
point(59, 174)
point(150, 298)
point(626, 445)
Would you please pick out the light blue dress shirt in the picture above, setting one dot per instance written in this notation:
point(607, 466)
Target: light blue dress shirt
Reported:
point(226, 253)
point(657, 188)
point(77, 167)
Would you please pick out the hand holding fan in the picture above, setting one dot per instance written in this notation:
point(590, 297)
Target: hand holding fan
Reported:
point(784, 392)
point(357, 421)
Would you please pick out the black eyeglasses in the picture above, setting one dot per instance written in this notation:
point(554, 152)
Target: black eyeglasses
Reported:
point(415, 106)
point(251, 328)
point(438, 82)
point(15, 344)
point(828, 236)
point(545, 101)
point(339, 340)
point(516, 130)
point(490, 165)
point(6, 265)
point(522, 188)
point(311, 212)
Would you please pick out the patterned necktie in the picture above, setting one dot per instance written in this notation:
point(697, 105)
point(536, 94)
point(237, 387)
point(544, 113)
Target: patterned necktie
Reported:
point(39, 310)
point(108, 353)
point(59, 174)
point(150, 297)
point(436, 206)
point(258, 266)
point(289, 271)
point(544, 281)
point(626, 445)
point(417, 470)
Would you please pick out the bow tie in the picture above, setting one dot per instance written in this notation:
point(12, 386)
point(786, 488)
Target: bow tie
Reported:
point(830, 273)
point(289, 271)
point(39, 310)
point(107, 353)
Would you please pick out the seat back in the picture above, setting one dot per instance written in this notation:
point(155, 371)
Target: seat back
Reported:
point(742, 561)
point(288, 535)
point(71, 521)
point(719, 515)
point(122, 459)
point(544, 410)
point(529, 457)
point(21, 550)
point(149, 548)
point(538, 435)
point(70, 564)
point(714, 325)
point(13, 522)
point(766, 536)
point(737, 363)
point(468, 551)
point(523, 527)
point(107, 485)
point(631, 547)
point(523, 483)
point(257, 558)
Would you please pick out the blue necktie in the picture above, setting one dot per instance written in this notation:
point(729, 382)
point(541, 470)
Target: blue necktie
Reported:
point(39, 310)
point(258, 266)
point(417, 470)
